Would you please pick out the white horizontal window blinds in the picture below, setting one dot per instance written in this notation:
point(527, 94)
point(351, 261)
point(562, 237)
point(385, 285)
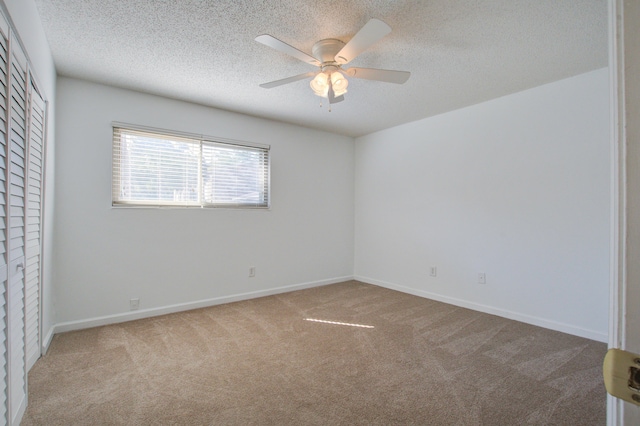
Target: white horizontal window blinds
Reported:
point(159, 169)
point(234, 175)
point(155, 169)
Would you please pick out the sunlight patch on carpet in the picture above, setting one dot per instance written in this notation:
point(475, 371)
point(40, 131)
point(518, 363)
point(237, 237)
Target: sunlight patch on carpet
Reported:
point(338, 323)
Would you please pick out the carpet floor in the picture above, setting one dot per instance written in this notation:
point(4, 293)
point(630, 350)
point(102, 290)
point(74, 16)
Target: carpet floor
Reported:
point(342, 354)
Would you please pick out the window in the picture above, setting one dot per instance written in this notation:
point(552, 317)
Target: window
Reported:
point(158, 168)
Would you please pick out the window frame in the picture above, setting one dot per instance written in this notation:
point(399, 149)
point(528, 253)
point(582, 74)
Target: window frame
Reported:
point(200, 140)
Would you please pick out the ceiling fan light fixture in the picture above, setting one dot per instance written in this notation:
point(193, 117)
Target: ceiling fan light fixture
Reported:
point(320, 84)
point(339, 83)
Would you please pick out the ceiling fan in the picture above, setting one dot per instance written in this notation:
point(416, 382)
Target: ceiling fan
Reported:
point(330, 55)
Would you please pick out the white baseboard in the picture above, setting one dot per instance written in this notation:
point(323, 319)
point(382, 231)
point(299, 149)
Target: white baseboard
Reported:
point(152, 312)
point(528, 319)
point(19, 412)
point(46, 341)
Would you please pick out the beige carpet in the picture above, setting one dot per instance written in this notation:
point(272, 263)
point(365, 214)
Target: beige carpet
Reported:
point(260, 362)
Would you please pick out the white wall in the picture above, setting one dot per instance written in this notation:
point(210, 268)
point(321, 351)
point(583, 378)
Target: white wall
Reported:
point(26, 19)
point(105, 255)
point(517, 188)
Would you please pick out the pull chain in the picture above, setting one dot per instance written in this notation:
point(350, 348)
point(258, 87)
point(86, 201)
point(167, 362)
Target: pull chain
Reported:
point(329, 106)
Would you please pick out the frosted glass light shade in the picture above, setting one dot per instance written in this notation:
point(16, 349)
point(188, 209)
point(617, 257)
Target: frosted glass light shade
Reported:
point(339, 83)
point(320, 84)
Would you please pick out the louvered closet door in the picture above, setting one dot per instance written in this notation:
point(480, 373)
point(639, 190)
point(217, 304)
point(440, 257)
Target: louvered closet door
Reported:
point(3, 220)
point(16, 164)
point(33, 225)
point(22, 124)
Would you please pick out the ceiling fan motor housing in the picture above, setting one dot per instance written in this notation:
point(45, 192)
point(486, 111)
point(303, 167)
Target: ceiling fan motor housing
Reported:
point(325, 51)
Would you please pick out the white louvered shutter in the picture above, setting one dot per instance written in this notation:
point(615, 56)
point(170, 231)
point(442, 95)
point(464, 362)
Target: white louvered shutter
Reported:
point(17, 155)
point(4, 100)
point(33, 225)
point(22, 137)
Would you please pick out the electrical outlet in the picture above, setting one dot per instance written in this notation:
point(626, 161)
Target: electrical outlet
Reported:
point(134, 304)
point(482, 278)
point(433, 271)
point(252, 271)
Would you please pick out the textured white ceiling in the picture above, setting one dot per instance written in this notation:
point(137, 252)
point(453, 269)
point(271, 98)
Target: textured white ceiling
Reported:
point(459, 52)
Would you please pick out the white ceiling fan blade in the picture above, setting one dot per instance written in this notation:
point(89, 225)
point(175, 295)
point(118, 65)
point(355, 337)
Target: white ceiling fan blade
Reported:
point(287, 80)
point(388, 76)
point(372, 31)
point(283, 47)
